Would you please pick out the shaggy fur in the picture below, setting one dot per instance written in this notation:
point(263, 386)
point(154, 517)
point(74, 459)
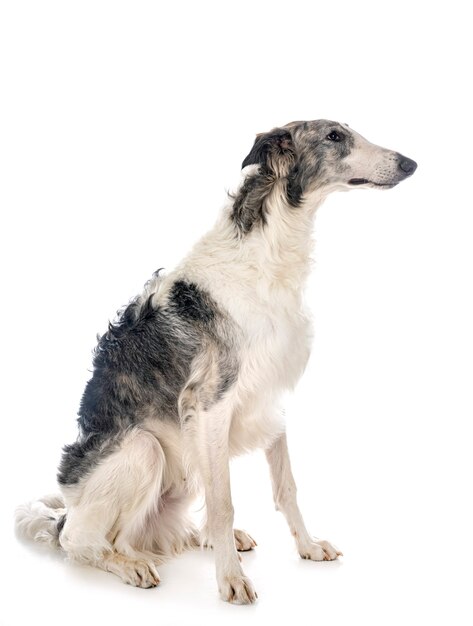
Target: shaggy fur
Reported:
point(192, 372)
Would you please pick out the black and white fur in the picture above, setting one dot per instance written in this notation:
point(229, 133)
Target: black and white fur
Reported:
point(192, 372)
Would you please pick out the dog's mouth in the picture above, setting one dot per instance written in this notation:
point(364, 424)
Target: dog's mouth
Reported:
point(365, 181)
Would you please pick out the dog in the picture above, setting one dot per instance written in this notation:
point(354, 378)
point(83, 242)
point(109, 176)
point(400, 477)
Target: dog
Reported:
point(192, 371)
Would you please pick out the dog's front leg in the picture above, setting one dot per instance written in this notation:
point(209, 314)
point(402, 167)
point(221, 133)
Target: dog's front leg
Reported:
point(285, 499)
point(233, 585)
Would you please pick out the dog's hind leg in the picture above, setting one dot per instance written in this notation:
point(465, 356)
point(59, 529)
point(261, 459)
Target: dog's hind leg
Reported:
point(107, 508)
point(284, 491)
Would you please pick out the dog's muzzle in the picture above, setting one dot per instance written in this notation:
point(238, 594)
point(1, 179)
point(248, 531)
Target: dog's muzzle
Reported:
point(405, 168)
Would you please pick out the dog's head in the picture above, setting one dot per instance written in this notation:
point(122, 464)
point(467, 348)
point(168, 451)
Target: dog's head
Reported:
point(309, 160)
point(328, 156)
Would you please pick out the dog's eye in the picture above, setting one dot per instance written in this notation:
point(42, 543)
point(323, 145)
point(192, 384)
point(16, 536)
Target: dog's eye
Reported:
point(334, 136)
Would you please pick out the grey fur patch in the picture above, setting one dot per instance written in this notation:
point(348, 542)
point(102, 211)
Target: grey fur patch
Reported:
point(275, 154)
point(191, 303)
point(60, 523)
point(141, 365)
point(249, 204)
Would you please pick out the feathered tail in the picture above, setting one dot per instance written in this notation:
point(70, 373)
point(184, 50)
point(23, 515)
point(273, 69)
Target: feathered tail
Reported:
point(41, 520)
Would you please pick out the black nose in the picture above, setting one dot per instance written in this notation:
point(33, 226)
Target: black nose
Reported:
point(407, 165)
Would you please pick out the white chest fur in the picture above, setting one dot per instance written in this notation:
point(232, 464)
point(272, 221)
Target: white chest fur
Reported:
point(273, 355)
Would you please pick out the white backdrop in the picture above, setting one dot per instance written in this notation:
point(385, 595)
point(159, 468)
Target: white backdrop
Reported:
point(121, 127)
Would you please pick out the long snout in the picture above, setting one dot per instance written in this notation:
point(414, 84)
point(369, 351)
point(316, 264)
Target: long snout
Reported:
point(372, 166)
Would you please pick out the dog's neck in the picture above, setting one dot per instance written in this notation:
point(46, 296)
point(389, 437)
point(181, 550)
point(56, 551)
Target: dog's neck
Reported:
point(272, 259)
point(279, 249)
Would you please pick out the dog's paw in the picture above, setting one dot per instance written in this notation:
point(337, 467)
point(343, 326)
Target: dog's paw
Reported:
point(319, 550)
point(137, 572)
point(243, 541)
point(237, 589)
point(145, 575)
point(142, 574)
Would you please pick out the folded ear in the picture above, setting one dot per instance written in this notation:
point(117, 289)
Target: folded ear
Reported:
point(274, 150)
